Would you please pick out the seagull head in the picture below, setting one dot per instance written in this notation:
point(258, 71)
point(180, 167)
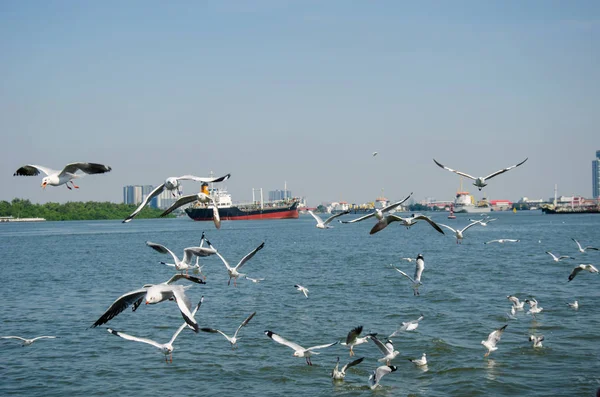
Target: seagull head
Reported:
point(44, 182)
point(171, 183)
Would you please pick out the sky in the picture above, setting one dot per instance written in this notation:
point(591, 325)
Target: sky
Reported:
point(302, 93)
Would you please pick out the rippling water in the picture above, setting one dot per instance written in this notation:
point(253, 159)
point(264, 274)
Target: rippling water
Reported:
point(59, 277)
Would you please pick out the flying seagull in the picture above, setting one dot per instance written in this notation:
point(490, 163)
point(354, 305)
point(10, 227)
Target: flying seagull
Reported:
point(408, 326)
point(492, 340)
point(408, 222)
point(353, 338)
point(341, 374)
point(583, 249)
point(64, 176)
point(302, 289)
point(558, 258)
point(166, 348)
point(480, 182)
point(416, 281)
point(379, 373)
point(234, 271)
point(387, 349)
point(533, 307)
point(502, 241)
point(381, 222)
point(459, 232)
point(299, 351)
point(232, 339)
point(325, 224)
point(202, 197)
point(517, 304)
point(172, 184)
point(27, 342)
point(483, 222)
point(184, 264)
point(590, 268)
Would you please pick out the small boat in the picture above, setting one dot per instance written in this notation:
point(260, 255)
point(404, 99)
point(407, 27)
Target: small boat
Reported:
point(452, 216)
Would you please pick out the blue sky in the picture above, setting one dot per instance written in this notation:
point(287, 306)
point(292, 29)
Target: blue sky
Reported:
point(303, 92)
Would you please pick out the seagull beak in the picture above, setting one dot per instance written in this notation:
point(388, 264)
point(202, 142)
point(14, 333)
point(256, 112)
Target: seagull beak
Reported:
point(44, 185)
point(147, 302)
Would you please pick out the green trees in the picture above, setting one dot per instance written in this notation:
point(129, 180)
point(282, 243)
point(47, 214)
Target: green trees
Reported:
point(76, 210)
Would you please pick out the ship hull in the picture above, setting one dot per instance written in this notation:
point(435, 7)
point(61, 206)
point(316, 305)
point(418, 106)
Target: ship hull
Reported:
point(245, 213)
point(471, 209)
point(568, 210)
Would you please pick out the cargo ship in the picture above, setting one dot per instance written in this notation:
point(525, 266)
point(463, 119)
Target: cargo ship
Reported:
point(464, 202)
point(280, 209)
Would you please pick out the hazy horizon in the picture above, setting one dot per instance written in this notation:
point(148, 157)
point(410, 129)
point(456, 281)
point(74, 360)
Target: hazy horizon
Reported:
point(302, 92)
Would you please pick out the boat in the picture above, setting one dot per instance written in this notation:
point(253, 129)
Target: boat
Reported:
point(279, 209)
point(464, 202)
point(452, 216)
point(568, 209)
point(11, 219)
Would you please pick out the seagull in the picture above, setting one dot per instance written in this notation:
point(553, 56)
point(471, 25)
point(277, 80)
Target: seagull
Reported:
point(172, 184)
point(408, 222)
point(374, 154)
point(590, 268)
point(574, 305)
point(408, 259)
point(480, 181)
point(512, 316)
point(202, 197)
point(583, 249)
point(517, 304)
point(537, 340)
point(340, 375)
point(483, 222)
point(408, 326)
point(325, 224)
point(379, 373)
point(492, 340)
point(387, 349)
point(152, 294)
point(184, 264)
point(64, 176)
point(166, 348)
point(299, 351)
point(533, 307)
point(420, 265)
point(232, 339)
point(459, 232)
point(27, 342)
point(353, 339)
point(233, 271)
point(381, 222)
point(254, 280)
point(419, 361)
point(502, 241)
point(558, 258)
point(302, 289)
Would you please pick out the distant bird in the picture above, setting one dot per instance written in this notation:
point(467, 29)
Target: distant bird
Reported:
point(537, 340)
point(27, 342)
point(302, 289)
point(201, 197)
point(166, 348)
point(379, 373)
point(480, 182)
point(502, 241)
point(353, 338)
point(341, 374)
point(381, 222)
point(583, 249)
point(574, 305)
point(172, 184)
point(408, 259)
point(512, 314)
point(492, 340)
point(483, 222)
point(408, 326)
point(184, 264)
point(387, 349)
point(419, 361)
point(590, 268)
point(533, 307)
point(459, 232)
point(299, 351)
point(232, 339)
point(416, 281)
point(64, 176)
point(254, 280)
point(375, 154)
point(234, 271)
point(558, 258)
point(325, 224)
point(517, 304)
point(408, 222)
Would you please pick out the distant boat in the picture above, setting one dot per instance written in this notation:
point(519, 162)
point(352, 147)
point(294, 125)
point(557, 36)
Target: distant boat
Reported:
point(452, 216)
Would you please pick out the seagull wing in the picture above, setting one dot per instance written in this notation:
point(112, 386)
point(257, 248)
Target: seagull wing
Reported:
point(352, 364)
point(201, 179)
point(180, 276)
point(284, 341)
point(578, 245)
point(504, 170)
point(456, 172)
point(552, 255)
point(13, 337)
point(33, 170)
point(405, 275)
point(322, 346)
point(119, 305)
point(243, 324)
point(362, 218)
point(185, 324)
point(576, 270)
point(222, 259)
point(184, 306)
point(216, 331)
point(396, 204)
point(428, 220)
point(317, 218)
point(189, 252)
point(494, 336)
point(469, 225)
point(157, 190)
point(383, 347)
point(328, 220)
point(447, 227)
point(162, 249)
point(419, 267)
point(183, 200)
point(88, 168)
point(43, 337)
point(249, 256)
point(135, 338)
point(353, 334)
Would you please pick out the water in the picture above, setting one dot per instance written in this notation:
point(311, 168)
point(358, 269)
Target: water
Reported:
point(59, 277)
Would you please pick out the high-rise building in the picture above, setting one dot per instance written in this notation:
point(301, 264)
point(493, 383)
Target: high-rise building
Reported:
point(596, 176)
point(135, 194)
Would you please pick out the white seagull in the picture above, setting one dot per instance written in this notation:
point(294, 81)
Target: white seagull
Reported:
point(234, 271)
point(408, 222)
point(558, 258)
point(416, 281)
point(254, 280)
point(459, 232)
point(502, 241)
point(232, 339)
point(325, 224)
point(408, 326)
point(517, 304)
point(379, 373)
point(64, 176)
point(574, 305)
point(533, 307)
point(353, 338)
point(387, 349)
point(341, 374)
point(27, 342)
point(537, 340)
point(172, 184)
point(583, 249)
point(589, 267)
point(166, 348)
point(299, 351)
point(480, 182)
point(381, 222)
point(302, 289)
point(419, 361)
point(483, 222)
point(184, 264)
point(492, 340)
point(202, 197)
point(152, 294)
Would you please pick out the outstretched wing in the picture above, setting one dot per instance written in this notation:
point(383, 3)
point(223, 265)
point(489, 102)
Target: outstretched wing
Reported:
point(180, 276)
point(189, 252)
point(201, 179)
point(183, 200)
point(383, 347)
point(249, 256)
point(135, 338)
point(396, 204)
point(157, 190)
point(322, 346)
point(455, 171)
point(162, 249)
point(335, 216)
point(405, 275)
point(495, 336)
point(447, 227)
point(283, 341)
point(469, 225)
point(184, 307)
point(119, 305)
point(362, 218)
point(493, 174)
point(33, 170)
point(353, 334)
point(428, 220)
point(88, 168)
point(243, 324)
point(317, 218)
point(352, 364)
